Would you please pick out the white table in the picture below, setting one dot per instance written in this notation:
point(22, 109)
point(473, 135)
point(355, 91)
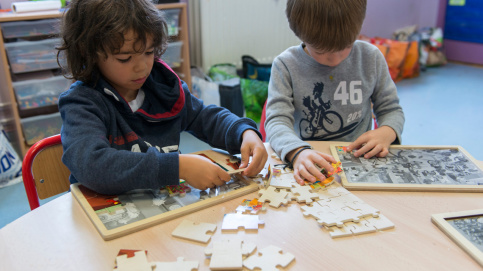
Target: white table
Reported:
point(59, 236)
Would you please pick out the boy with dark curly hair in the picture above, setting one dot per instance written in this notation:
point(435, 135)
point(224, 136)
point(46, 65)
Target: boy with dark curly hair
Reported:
point(123, 116)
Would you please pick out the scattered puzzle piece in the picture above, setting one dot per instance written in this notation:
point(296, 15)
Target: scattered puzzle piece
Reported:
point(253, 206)
point(268, 259)
point(235, 221)
point(335, 231)
point(228, 254)
point(282, 177)
point(359, 228)
point(381, 222)
point(315, 186)
point(332, 192)
point(194, 231)
point(275, 198)
point(329, 217)
point(138, 262)
point(303, 193)
point(179, 265)
point(338, 206)
point(363, 208)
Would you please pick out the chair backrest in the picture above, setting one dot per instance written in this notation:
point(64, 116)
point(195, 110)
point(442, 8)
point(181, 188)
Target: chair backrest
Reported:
point(44, 175)
point(262, 122)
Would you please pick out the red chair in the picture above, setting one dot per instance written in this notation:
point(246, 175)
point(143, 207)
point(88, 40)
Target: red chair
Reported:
point(44, 175)
point(262, 122)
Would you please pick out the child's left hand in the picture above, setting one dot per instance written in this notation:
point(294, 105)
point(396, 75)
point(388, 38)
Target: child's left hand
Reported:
point(252, 146)
point(373, 143)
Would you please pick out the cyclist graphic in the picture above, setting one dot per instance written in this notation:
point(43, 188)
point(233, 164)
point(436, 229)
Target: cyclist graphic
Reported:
point(320, 122)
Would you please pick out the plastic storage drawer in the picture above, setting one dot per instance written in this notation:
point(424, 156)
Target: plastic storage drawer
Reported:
point(172, 56)
point(23, 29)
point(27, 56)
point(172, 18)
point(35, 94)
point(39, 127)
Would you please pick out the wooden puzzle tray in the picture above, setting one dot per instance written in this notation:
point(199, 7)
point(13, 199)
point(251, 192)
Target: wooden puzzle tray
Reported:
point(465, 228)
point(411, 168)
point(116, 216)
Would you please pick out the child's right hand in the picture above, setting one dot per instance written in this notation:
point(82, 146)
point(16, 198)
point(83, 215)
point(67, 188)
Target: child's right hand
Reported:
point(200, 172)
point(304, 166)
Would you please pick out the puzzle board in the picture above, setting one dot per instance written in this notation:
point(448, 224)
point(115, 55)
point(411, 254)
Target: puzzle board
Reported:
point(465, 228)
point(116, 216)
point(411, 168)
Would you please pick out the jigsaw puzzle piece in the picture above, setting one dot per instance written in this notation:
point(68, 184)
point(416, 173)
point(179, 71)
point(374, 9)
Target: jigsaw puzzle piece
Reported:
point(332, 191)
point(177, 190)
point(253, 206)
point(304, 193)
point(268, 259)
point(138, 262)
point(380, 223)
point(228, 254)
point(323, 214)
point(359, 228)
point(336, 232)
point(194, 231)
point(237, 220)
point(276, 198)
point(282, 177)
point(179, 265)
point(363, 209)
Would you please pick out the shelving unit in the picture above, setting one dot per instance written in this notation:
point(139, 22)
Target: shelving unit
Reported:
point(13, 108)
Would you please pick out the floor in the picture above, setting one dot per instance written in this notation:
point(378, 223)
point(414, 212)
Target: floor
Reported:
point(443, 106)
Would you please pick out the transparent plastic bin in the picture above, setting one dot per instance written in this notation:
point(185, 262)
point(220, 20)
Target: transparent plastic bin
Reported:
point(27, 56)
point(39, 127)
point(23, 29)
point(172, 56)
point(172, 18)
point(32, 94)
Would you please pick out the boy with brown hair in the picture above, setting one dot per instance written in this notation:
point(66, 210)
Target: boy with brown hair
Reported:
point(323, 89)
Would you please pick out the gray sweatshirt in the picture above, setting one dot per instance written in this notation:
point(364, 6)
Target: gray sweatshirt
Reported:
point(311, 101)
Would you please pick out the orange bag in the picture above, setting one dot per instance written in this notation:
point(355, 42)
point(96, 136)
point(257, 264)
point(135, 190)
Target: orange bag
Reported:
point(402, 57)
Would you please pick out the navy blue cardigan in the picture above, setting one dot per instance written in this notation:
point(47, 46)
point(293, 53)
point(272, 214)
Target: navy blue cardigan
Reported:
point(111, 150)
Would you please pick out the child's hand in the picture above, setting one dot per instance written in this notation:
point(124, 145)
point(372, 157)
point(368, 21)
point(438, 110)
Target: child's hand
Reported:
point(373, 143)
point(304, 166)
point(252, 146)
point(200, 172)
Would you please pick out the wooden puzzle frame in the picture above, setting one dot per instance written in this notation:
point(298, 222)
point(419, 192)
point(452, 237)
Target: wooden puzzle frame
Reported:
point(109, 234)
point(443, 222)
point(409, 180)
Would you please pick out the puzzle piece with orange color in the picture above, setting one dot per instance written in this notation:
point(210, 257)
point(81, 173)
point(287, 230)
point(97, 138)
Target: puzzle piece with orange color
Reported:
point(329, 175)
point(250, 205)
point(129, 261)
point(177, 190)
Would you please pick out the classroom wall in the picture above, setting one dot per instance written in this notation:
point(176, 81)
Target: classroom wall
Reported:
point(455, 50)
point(383, 17)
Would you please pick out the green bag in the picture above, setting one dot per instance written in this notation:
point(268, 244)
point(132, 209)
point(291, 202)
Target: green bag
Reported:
point(254, 94)
point(222, 72)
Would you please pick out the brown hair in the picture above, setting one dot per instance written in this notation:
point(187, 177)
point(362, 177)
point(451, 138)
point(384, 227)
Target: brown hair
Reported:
point(328, 25)
point(91, 29)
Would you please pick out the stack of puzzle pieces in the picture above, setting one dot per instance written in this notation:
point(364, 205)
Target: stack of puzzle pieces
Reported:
point(334, 207)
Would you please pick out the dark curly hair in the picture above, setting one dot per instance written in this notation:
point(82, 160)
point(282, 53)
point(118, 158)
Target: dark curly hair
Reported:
point(91, 29)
